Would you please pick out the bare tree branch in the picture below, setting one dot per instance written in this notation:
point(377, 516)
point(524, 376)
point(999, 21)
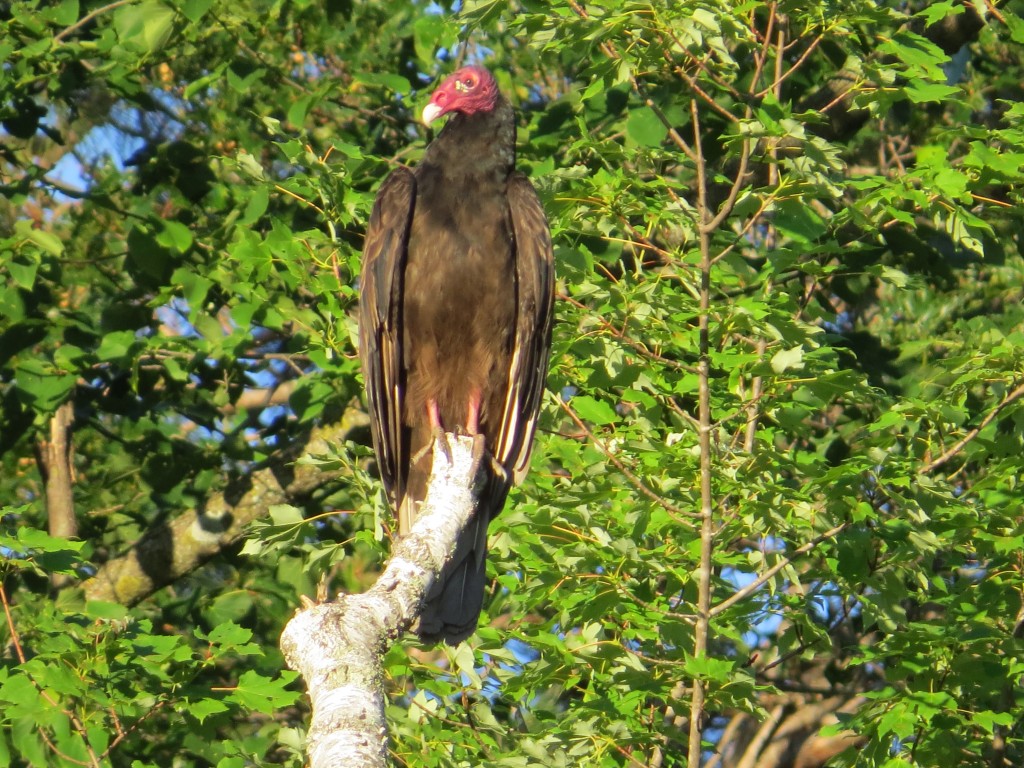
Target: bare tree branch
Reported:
point(338, 647)
point(53, 457)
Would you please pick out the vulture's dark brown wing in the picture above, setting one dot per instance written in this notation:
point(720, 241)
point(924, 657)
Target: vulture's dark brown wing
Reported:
point(535, 284)
point(380, 322)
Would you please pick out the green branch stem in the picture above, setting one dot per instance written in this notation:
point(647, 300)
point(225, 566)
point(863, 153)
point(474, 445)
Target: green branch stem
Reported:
point(707, 523)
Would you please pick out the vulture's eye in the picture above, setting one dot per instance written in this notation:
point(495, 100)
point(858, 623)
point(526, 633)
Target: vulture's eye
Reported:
point(467, 83)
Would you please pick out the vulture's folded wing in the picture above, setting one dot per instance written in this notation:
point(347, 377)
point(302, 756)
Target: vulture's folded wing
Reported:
point(535, 285)
point(380, 321)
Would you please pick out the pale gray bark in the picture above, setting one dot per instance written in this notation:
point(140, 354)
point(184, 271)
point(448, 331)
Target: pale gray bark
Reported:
point(338, 647)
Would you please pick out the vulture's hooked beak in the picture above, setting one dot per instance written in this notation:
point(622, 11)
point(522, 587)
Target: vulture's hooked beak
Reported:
point(431, 112)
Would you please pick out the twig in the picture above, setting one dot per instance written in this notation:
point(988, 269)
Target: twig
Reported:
point(1010, 398)
point(72, 718)
point(124, 734)
point(761, 56)
point(87, 18)
point(15, 641)
point(678, 140)
point(762, 736)
point(757, 583)
point(796, 65)
point(734, 192)
point(637, 346)
point(637, 483)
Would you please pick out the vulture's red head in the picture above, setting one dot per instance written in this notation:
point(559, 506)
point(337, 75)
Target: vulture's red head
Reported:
point(469, 90)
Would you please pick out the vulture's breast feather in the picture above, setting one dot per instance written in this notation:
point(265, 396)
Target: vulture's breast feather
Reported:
point(460, 298)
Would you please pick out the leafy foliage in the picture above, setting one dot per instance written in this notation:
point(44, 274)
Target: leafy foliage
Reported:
point(185, 185)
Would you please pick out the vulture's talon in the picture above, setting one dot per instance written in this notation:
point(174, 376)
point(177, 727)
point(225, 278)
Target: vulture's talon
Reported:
point(422, 453)
point(479, 450)
point(441, 440)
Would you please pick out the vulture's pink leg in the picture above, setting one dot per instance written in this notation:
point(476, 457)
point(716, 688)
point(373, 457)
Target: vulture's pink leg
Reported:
point(437, 429)
point(436, 433)
point(434, 416)
point(473, 429)
point(473, 413)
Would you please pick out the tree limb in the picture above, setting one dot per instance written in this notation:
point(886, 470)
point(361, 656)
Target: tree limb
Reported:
point(760, 581)
point(55, 466)
point(1011, 397)
point(53, 457)
point(170, 550)
point(338, 647)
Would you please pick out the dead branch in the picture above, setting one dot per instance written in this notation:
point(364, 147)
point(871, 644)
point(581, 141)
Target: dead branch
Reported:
point(339, 647)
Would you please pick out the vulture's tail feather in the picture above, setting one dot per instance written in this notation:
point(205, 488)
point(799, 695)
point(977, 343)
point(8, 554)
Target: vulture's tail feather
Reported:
point(452, 608)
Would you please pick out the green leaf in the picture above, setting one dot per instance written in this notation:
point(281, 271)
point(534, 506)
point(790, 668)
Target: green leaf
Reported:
point(937, 11)
point(64, 13)
point(194, 10)
point(921, 56)
point(202, 83)
point(97, 609)
point(116, 345)
point(229, 607)
point(299, 108)
point(710, 668)
point(23, 274)
point(48, 241)
point(42, 386)
point(921, 92)
point(285, 514)
point(69, 357)
point(174, 235)
point(263, 694)
point(645, 128)
point(26, 740)
point(798, 220)
point(146, 26)
point(194, 287)
point(785, 359)
point(12, 306)
point(427, 32)
point(595, 411)
point(203, 708)
point(229, 635)
point(256, 206)
point(394, 83)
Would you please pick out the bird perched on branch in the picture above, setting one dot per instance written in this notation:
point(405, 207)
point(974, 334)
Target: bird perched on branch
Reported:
point(456, 302)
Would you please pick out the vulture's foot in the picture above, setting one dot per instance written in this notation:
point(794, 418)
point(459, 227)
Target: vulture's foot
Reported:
point(438, 438)
point(481, 454)
point(437, 434)
point(479, 451)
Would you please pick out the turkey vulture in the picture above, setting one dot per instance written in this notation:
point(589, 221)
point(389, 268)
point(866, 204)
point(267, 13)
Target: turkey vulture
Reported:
point(456, 300)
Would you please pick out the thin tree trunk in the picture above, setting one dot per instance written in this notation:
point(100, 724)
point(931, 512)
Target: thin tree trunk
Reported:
point(707, 522)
